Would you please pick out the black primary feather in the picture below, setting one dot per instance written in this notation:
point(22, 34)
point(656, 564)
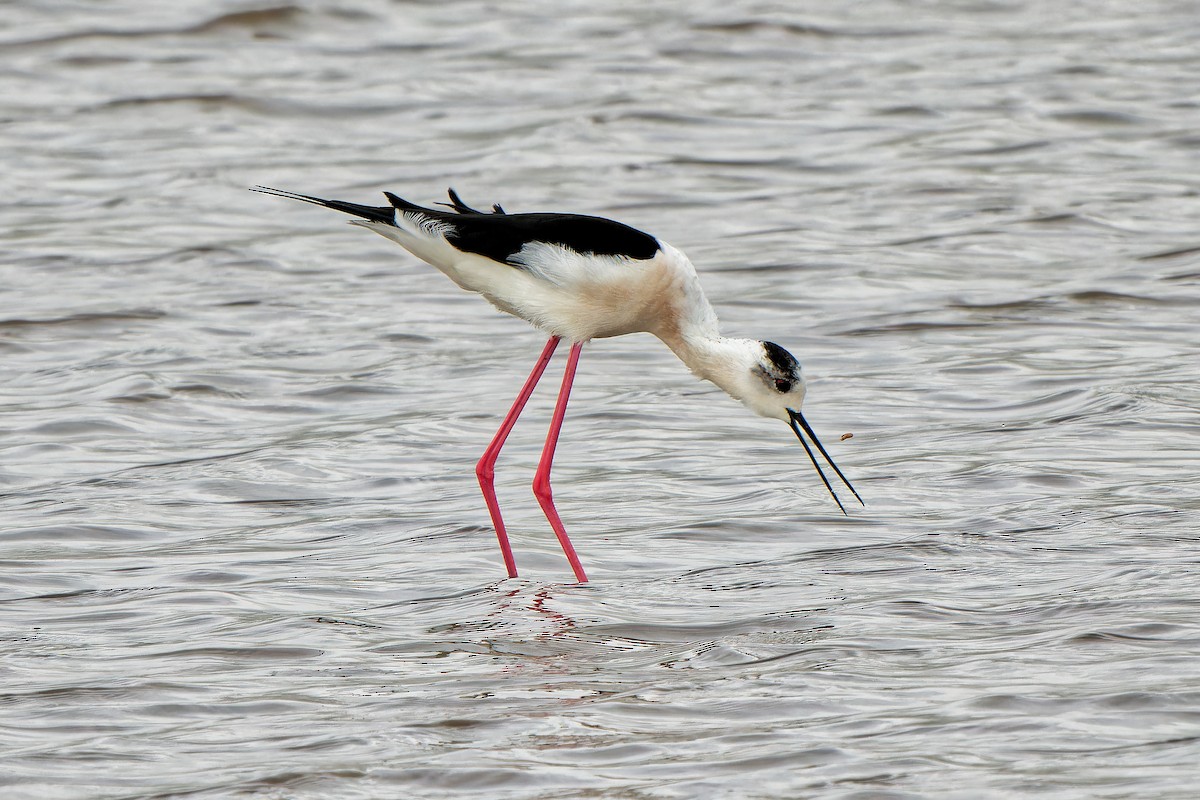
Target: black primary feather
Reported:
point(458, 205)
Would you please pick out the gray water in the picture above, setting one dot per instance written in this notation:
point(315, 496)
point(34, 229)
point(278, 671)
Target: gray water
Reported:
point(243, 552)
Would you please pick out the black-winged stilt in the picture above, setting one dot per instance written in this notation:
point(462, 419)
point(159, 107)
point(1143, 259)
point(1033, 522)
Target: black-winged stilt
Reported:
point(579, 278)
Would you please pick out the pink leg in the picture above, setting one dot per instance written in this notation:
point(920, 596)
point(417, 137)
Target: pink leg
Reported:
point(541, 480)
point(485, 470)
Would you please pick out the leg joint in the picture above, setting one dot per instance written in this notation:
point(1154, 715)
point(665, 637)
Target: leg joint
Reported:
point(541, 488)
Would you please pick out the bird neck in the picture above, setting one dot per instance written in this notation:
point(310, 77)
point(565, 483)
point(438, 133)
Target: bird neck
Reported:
point(686, 320)
point(712, 357)
point(690, 328)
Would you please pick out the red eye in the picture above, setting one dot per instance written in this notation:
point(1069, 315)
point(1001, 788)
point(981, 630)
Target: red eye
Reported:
point(783, 386)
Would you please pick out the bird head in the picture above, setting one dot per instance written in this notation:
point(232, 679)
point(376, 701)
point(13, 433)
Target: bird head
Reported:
point(771, 384)
point(767, 379)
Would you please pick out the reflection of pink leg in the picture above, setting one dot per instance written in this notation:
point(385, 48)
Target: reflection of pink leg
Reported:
point(541, 480)
point(485, 470)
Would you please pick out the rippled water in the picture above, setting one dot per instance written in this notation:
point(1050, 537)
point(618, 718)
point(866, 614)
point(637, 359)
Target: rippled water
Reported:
point(243, 549)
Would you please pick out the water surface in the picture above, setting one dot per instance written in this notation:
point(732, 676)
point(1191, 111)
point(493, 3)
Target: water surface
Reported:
point(243, 550)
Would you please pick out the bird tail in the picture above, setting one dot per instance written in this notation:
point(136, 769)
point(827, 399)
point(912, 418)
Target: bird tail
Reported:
point(421, 231)
point(386, 215)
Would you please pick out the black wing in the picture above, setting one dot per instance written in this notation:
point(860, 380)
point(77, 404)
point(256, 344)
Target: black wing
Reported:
point(500, 236)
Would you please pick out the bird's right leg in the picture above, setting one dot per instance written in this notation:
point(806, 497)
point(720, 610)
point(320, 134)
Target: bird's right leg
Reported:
point(485, 470)
point(541, 479)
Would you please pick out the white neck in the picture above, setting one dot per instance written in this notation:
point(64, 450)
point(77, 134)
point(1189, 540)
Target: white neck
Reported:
point(692, 331)
point(725, 362)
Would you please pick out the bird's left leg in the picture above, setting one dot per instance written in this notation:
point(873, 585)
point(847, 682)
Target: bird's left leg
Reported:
point(485, 470)
point(541, 480)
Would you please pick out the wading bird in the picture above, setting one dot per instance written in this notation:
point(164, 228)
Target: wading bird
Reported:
point(579, 278)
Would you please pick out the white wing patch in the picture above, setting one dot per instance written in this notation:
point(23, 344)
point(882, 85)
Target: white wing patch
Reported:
point(433, 228)
point(566, 268)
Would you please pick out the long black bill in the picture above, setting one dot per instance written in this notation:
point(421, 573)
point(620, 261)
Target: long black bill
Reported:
point(799, 422)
